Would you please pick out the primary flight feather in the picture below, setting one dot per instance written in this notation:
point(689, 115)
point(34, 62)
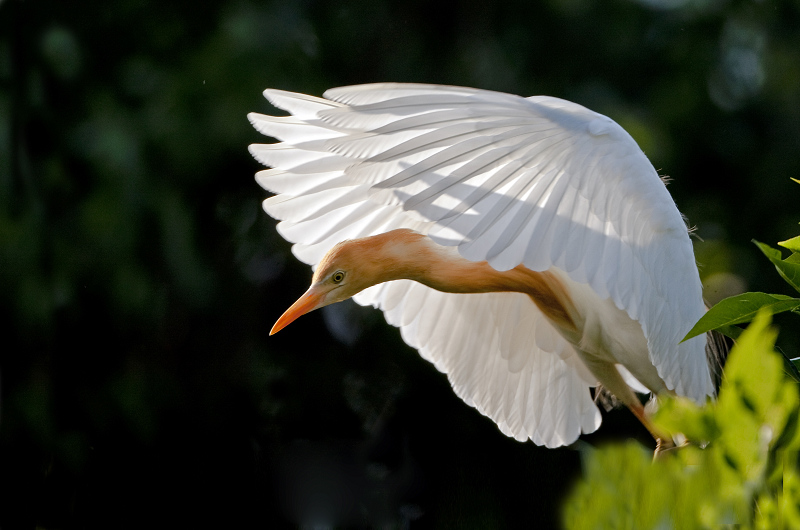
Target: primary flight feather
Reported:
point(525, 246)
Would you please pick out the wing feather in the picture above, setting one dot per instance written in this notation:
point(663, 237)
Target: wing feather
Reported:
point(300, 105)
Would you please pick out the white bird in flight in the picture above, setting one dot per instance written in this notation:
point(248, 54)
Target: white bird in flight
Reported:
point(525, 246)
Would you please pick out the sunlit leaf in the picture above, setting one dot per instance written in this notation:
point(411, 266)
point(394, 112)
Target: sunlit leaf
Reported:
point(753, 371)
point(738, 471)
point(792, 244)
point(739, 309)
point(789, 271)
point(750, 397)
point(790, 505)
point(684, 416)
point(789, 436)
point(624, 488)
point(758, 406)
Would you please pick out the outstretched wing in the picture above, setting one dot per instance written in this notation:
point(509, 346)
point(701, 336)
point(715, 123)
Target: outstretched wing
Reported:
point(501, 356)
point(539, 181)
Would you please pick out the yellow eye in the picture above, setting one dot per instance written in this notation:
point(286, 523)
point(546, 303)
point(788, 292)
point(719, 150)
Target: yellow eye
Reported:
point(337, 277)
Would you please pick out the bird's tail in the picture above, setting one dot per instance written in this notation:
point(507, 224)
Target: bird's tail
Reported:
point(717, 348)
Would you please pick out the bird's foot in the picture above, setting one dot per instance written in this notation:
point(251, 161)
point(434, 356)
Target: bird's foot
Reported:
point(666, 446)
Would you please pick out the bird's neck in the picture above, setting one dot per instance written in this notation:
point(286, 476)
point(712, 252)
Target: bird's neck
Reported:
point(410, 255)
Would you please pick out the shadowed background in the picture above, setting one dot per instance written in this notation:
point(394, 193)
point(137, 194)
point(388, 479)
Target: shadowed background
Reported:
point(139, 277)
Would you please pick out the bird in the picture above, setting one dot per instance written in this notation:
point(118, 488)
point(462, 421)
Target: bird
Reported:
point(526, 247)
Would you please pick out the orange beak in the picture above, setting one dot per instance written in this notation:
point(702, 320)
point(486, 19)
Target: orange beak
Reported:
point(311, 300)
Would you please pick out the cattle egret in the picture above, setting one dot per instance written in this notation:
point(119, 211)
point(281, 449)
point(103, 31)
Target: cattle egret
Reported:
point(525, 246)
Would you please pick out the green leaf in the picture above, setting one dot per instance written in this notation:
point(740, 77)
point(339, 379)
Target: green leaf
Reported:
point(792, 244)
point(682, 415)
point(752, 364)
point(739, 309)
point(789, 271)
point(730, 331)
point(747, 395)
point(790, 368)
point(739, 469)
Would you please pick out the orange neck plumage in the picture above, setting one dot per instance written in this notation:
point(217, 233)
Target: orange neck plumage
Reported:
point(406, 254)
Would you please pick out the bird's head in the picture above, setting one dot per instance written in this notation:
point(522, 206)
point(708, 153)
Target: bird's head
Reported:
point(347, 269)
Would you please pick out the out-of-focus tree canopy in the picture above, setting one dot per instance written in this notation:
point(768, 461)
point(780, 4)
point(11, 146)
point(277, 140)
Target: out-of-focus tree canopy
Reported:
point(139, 278)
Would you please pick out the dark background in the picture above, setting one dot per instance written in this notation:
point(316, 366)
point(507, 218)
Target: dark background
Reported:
point(139, 277)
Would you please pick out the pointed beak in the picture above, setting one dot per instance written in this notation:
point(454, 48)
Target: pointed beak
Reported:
point(311, 300)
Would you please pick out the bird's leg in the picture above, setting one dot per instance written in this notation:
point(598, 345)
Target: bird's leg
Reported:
point(610, 377)
point(663, 442)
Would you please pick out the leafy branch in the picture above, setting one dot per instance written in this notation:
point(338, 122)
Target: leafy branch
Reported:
point(741, 468)
point(743, 308)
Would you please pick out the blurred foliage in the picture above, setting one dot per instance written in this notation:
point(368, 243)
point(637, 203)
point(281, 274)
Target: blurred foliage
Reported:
point(743, 473)
point(139, 278)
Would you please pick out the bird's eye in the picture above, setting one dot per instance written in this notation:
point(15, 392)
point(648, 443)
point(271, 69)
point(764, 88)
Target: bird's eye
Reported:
point(337, 277)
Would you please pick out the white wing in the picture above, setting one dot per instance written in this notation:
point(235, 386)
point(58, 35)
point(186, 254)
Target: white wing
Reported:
point(539, 181)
